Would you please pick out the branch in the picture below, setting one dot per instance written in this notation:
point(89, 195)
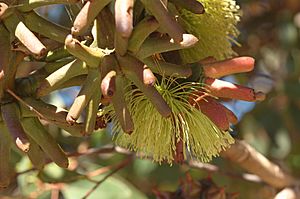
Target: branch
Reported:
point(92, 151)
point(215, 169)
point(247, 157)
point(253, 161)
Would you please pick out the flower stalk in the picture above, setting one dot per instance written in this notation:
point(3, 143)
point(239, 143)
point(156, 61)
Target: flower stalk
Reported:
point(105, 29)
point(91, 56)
point(133, 70)
point(36, 155)
point(141, 32)
point(38, 133)
point(156, 45)
point(120, 106)
point(124, 24)
point(25, 36)
point(11, 116)
point(5, 149)
point(167, 69)
point(63, 74)
point(193, 6)
point(57, 116)
point(44, 27)
point(91, 84)
point(166, 21)
point(87, 15)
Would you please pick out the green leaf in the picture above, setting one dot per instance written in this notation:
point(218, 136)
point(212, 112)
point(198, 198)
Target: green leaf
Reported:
point(111, 188)
point(54, 174)
point(28, 183)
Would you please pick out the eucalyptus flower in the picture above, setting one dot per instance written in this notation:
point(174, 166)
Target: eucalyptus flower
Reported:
point(216, 30)
point(156, 136)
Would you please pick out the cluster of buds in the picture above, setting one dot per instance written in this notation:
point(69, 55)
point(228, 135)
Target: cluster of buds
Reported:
point(142, 60)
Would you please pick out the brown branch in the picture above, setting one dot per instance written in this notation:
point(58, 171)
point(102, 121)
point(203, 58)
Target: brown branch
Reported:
point(103, 150)
point(93, 151)
point(241, 153)
point(112, 149)
point(254, 162)
point(121, 165)
point(55, 194)
point(192, 163)
point(25, 104)
point(99, 171)
point(215, 169)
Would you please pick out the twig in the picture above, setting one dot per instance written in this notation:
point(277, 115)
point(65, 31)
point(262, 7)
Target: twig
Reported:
point(215, 169)
point(56, 119)
point(192, 164)
point(25, 104)
point(99, 171)
point(256, 177)
point(26, 171)
point(121, 165)
point(55, 194)
point(106, 149)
